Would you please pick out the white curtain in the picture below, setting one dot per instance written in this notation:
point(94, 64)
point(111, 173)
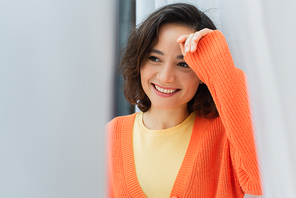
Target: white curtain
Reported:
point(261, 37)
point(56, 60)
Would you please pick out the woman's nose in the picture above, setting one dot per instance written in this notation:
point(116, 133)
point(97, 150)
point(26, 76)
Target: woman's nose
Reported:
point(166, 73)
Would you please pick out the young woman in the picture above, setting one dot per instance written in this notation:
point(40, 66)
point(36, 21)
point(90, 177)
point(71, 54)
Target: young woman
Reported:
point(193, 136)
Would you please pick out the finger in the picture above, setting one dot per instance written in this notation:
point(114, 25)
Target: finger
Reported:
point(193, 42)
point(182, 49)
point(188, 43)
point(201, 34)
point(197, 37)
point(182, 38)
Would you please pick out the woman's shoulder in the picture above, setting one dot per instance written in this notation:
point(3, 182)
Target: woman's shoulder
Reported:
point(117, 122)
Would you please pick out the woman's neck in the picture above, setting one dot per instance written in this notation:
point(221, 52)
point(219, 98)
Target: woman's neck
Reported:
point(158, 119)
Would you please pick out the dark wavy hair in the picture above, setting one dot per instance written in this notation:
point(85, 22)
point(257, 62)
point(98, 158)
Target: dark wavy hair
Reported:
point(140, 43)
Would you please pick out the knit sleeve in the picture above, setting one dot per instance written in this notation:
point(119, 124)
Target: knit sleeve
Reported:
point(213, 64)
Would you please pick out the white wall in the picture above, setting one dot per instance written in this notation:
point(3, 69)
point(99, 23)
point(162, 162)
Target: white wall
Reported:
point(56, 60)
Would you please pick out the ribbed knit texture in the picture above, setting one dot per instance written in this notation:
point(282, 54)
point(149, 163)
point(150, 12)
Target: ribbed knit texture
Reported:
point(221, 159)
point(158, 155)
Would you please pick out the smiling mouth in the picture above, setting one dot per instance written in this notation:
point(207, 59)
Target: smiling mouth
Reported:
point(166, 91)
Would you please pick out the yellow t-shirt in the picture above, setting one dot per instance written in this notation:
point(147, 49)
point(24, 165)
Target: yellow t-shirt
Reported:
point(159, 154)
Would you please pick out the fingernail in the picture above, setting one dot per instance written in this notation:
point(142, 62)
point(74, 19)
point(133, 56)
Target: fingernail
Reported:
point(186, 48)
point(192, 46)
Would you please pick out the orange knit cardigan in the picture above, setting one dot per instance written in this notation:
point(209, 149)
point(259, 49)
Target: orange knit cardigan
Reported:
point(221, 159)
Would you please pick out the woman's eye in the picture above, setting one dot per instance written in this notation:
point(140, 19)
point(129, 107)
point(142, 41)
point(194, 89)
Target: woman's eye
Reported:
point(183, 64)
point(153, 58)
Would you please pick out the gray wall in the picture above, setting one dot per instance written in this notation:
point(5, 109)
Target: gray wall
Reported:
point(56, 62)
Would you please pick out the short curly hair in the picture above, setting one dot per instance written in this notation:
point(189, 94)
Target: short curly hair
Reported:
point(140, 43)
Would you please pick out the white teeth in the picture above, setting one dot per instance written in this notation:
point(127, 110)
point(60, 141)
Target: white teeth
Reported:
point(165, 90)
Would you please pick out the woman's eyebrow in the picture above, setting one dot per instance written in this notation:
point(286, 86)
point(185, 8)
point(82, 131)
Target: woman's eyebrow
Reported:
point(161, 53)
point(157, 51)
point(180, 56)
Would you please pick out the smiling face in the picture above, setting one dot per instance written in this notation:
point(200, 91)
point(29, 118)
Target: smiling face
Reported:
point(165, 77)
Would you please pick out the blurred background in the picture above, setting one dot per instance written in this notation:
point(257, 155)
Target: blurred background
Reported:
point(59, 86)
point(57, 65)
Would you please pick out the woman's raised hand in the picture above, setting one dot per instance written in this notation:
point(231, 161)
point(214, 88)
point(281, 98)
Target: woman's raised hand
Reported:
point(188, 43)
